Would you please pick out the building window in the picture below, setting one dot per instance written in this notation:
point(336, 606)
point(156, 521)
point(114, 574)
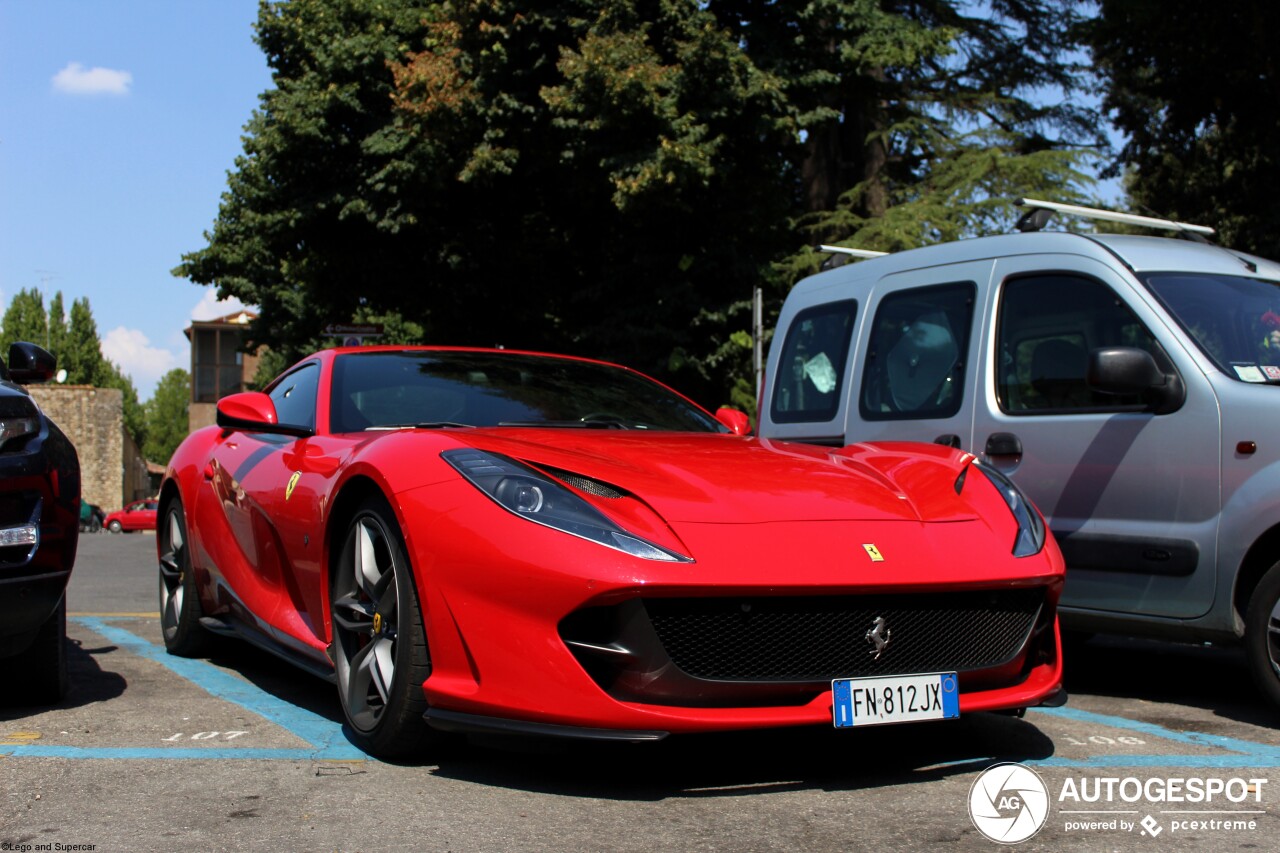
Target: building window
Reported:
point(216, 364)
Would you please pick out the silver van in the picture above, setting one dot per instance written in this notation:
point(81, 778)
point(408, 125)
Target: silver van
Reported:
point(1123, 382)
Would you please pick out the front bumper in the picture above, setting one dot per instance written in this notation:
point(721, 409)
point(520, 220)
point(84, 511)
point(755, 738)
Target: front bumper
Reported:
point(545, 633)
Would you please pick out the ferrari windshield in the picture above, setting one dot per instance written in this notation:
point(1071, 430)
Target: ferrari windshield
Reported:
point(1235, 320)
point(384, 389)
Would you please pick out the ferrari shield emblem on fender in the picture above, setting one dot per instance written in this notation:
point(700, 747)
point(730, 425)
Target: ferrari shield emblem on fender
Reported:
point(874, 553)
point(293, 481)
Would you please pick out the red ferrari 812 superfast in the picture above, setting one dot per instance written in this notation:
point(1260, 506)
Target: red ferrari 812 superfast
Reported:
point(496, 541)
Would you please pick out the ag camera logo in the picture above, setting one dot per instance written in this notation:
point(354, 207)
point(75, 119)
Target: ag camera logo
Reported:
point(1009, 803)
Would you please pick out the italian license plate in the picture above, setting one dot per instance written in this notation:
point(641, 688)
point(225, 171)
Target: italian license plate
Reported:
point(895, 699)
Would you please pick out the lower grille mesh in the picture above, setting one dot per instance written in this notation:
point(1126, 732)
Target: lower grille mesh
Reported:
point(820, 638)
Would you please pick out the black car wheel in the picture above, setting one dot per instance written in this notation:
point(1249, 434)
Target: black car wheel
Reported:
point(379, 646)
point(179, 601)
point(1262, 634)
point(41, 671)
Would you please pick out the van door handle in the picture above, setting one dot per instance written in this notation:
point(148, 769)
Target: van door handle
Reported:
point(1004, 444)
point(948, 440)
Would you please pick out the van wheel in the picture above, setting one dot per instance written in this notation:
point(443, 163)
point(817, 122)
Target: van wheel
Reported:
point(1262, 634)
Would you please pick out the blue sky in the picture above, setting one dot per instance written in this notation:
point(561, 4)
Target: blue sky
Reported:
point(118, 124)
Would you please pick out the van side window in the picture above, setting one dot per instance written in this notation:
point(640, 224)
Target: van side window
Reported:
point(916, 353)
point(1048, 325)
point(811, 370)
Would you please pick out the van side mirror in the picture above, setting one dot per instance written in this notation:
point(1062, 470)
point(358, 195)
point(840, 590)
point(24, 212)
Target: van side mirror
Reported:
point(1130, 370)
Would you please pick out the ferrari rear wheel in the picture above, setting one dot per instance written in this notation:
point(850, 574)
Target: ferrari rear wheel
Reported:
point(179, 600)
point(379, 645)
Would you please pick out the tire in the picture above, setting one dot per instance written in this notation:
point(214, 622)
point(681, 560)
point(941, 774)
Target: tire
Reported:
point(1262, 634)
point(379, 646)
point(179, 599)
point(41, 671)
point(115, 527)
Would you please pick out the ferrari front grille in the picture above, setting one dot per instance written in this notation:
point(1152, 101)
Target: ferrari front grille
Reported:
point(820, 638)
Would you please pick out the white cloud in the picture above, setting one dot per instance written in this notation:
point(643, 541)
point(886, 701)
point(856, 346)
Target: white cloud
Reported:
point(210, 307)
point(132, 351)
point(75, 79)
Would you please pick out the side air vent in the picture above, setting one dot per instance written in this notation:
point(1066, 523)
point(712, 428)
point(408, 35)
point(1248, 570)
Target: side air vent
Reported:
point(583, 484)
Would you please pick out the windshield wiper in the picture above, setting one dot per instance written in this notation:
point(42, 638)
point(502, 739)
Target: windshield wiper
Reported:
point(592, 424)
point(421, 425)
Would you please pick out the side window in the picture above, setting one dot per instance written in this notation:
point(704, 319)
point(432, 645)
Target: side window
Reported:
point(295, 396)
point(1048, 325)
point(811, 370)
point(916, 353)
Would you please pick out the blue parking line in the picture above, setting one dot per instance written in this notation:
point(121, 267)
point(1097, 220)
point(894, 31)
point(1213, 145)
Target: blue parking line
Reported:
point(1242, 753)
point(325, 737)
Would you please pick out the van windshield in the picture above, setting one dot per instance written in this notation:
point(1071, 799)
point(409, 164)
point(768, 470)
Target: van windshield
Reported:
point(1235, 320)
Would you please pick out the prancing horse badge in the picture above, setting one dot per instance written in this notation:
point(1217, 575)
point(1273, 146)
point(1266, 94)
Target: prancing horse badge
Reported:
point(293, 481)
point(874, 553)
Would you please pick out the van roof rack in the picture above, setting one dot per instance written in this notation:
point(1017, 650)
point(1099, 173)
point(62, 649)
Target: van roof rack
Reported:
point(857, 253)
point(1040, 212)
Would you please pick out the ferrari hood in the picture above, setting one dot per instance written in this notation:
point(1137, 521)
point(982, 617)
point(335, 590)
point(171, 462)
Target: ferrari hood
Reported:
point(728, 479)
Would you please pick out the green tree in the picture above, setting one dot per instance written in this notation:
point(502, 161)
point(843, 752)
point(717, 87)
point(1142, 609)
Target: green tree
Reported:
point(614, 177)
point(25, 320)
point(57, 326)
point(166, 415)
point(1194, 87)
point(76, 345)
point(135, 419)
point(82, 352)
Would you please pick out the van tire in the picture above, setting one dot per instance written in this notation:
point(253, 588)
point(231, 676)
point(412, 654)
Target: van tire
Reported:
point(1262, 634)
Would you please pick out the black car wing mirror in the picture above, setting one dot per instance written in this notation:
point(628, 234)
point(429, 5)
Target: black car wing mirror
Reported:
point(29, 363)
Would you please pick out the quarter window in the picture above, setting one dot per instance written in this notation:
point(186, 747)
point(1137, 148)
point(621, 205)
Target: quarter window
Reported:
point(295, 396)
point(811, 369)
point(916, 354)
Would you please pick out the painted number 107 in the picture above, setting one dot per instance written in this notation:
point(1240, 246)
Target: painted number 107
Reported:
point(206, 736)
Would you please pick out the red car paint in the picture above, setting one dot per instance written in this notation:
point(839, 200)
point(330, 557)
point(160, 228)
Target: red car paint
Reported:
point(138, 515)
point(762, 521)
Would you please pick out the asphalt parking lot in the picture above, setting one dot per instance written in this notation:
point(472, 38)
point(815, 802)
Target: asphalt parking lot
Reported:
point(240, 752)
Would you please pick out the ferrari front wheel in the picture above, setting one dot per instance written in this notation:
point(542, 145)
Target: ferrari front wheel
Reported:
point(379, 645)
point(179, 600)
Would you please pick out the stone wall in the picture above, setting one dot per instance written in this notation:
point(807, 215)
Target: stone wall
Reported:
point(112, 469)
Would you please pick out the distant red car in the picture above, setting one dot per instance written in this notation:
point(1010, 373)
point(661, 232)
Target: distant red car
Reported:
point(511, 542)
point(139, 515)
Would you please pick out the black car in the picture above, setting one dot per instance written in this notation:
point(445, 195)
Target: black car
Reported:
point(39, 530)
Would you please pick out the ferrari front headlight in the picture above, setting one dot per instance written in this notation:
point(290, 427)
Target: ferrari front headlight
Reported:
point(536, 497)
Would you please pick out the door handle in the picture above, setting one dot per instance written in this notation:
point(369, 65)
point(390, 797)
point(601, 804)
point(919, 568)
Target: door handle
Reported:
point(948, 440)
point(1003, 444)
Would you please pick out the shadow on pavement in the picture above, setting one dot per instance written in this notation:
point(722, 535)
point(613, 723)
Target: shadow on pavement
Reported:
point(90, 682)
point(1211, 678)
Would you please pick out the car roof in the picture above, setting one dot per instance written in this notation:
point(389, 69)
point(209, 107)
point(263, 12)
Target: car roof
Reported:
point(1139, 253)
